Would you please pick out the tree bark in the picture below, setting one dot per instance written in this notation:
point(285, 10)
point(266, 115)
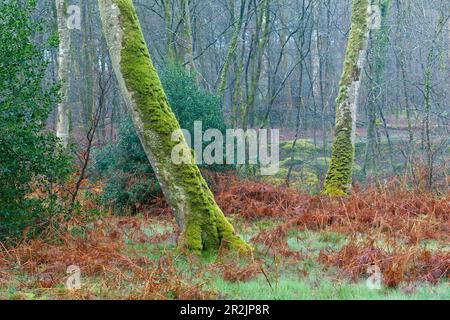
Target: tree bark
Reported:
point(285, 62)
point(231, 49)
point(204, 226)
point(248, 117)
point(170, 41)
point(189, 40)
point(339, 178)
point(315, 51)
point(379, 41)
point(63, 113)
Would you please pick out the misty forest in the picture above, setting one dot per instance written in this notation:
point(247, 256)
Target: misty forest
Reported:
point(224, 149)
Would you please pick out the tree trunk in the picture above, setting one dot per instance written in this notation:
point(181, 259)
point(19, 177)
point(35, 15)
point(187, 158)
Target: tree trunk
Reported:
point(379, 41)
point(248, 118)
point(231, 49)
point(339, 178)
point(189, 40)
point(204, 226)
point(63, 120)
point(285, 62)
point(315, 51)
point(170, 41)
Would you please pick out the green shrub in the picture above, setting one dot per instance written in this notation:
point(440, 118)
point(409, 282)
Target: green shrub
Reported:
point(189, 101)
point(129, 179)
point(31, 160)
point(123, 166)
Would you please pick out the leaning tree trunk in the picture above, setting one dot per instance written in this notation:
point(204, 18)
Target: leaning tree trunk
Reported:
point(203, 224)
point(63, 113)
point(339, 178)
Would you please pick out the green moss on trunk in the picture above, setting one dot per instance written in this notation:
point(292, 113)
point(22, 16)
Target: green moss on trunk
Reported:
point(339, 176)
point(205, 226)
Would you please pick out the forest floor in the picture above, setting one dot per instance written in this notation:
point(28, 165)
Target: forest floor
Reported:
point(306, 247)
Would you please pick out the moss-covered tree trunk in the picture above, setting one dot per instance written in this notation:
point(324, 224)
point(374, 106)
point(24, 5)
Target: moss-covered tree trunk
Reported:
point(63, 111)
point(203, 224)
point(339, 177)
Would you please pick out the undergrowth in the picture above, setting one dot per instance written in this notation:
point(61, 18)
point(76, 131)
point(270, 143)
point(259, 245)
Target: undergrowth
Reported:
point(307, 247)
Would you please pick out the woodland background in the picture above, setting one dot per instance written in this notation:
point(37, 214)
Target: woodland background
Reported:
point(231, 64)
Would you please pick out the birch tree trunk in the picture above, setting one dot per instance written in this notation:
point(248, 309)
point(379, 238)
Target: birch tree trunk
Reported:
point(315, 51)
point(339, 178)
point(204, 226)
point(285, 62)
point(63, 111)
